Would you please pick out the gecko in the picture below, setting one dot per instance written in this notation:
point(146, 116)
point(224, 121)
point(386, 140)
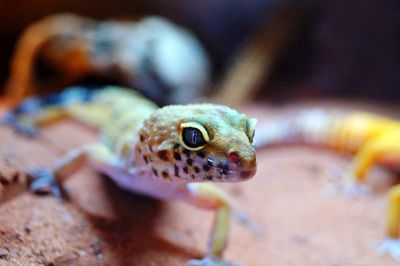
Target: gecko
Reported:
point(171, 153)
point(63, 49)
point(372, 139)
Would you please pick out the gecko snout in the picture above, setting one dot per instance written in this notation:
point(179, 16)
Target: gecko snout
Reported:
point(242, 159)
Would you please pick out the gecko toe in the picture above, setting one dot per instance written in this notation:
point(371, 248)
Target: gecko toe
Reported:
point(43, 183)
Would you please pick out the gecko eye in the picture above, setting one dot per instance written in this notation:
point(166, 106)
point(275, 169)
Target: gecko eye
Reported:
point(193, 135)
point(251, 128)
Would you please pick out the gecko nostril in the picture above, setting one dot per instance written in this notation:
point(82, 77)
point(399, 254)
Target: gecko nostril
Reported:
point(234, 158)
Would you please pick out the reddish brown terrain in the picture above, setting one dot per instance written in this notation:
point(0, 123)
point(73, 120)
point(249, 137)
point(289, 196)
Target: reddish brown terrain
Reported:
point(295, 215)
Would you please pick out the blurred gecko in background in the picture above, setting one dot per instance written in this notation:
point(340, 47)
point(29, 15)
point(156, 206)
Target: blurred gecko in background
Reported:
point(153, 55)
point(373, 139)
point(170, 153)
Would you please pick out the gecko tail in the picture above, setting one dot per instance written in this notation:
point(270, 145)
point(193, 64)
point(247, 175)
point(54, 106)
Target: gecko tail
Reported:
point(305, 127)
point(69, 95)
point(20, 116)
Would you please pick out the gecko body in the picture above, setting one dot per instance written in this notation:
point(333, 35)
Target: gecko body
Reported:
point(170, 153)
point(64, 49)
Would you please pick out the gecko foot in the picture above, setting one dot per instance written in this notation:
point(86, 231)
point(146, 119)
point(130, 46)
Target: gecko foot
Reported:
point(209, 261)
point(43, 182)
point(390, 246)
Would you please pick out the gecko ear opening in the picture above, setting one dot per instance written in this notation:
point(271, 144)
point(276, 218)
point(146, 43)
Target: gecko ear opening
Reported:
point(251, 128)
point(193, 136)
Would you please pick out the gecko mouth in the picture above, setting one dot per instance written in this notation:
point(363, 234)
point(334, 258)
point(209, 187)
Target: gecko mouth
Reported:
point(220, 171)
point(233, 175)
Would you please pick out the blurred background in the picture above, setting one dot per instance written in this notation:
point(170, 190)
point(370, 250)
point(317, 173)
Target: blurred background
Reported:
point(299, 49)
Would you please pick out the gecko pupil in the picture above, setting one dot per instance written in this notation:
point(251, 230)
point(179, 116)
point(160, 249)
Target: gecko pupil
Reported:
point(193, 137)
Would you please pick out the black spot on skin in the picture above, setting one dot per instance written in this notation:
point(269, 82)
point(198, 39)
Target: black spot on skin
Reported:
point(177, 156)
point(201, 154)
point(187, 152)
point(196, 169)
point(189, 161)
point(155, 171)
point(193, 177)
point(150, 148)
point(186, 170)
point(206, 167)
point(145, 159)
point(165, 174)
point(139, 150)
point(176, 168)
point(176, 146)
point(163, 155)
point(209, 177)
point(209, 162)
point(141, 138)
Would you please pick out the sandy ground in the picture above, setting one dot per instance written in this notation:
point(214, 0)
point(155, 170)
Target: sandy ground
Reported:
point(296, 216)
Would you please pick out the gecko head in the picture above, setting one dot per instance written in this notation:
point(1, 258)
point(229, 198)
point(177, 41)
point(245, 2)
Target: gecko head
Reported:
point(198, 142)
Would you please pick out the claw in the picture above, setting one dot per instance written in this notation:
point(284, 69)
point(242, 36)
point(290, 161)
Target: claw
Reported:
point(209, 261)
point(43, 182)
point(391, 247)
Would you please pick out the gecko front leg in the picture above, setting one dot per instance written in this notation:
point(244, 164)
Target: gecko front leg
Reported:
point(208, 196)
point(203, 195)
point(45, 181)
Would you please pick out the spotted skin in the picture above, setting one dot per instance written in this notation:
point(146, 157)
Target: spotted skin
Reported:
point(160, 143)
point(142, 149)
